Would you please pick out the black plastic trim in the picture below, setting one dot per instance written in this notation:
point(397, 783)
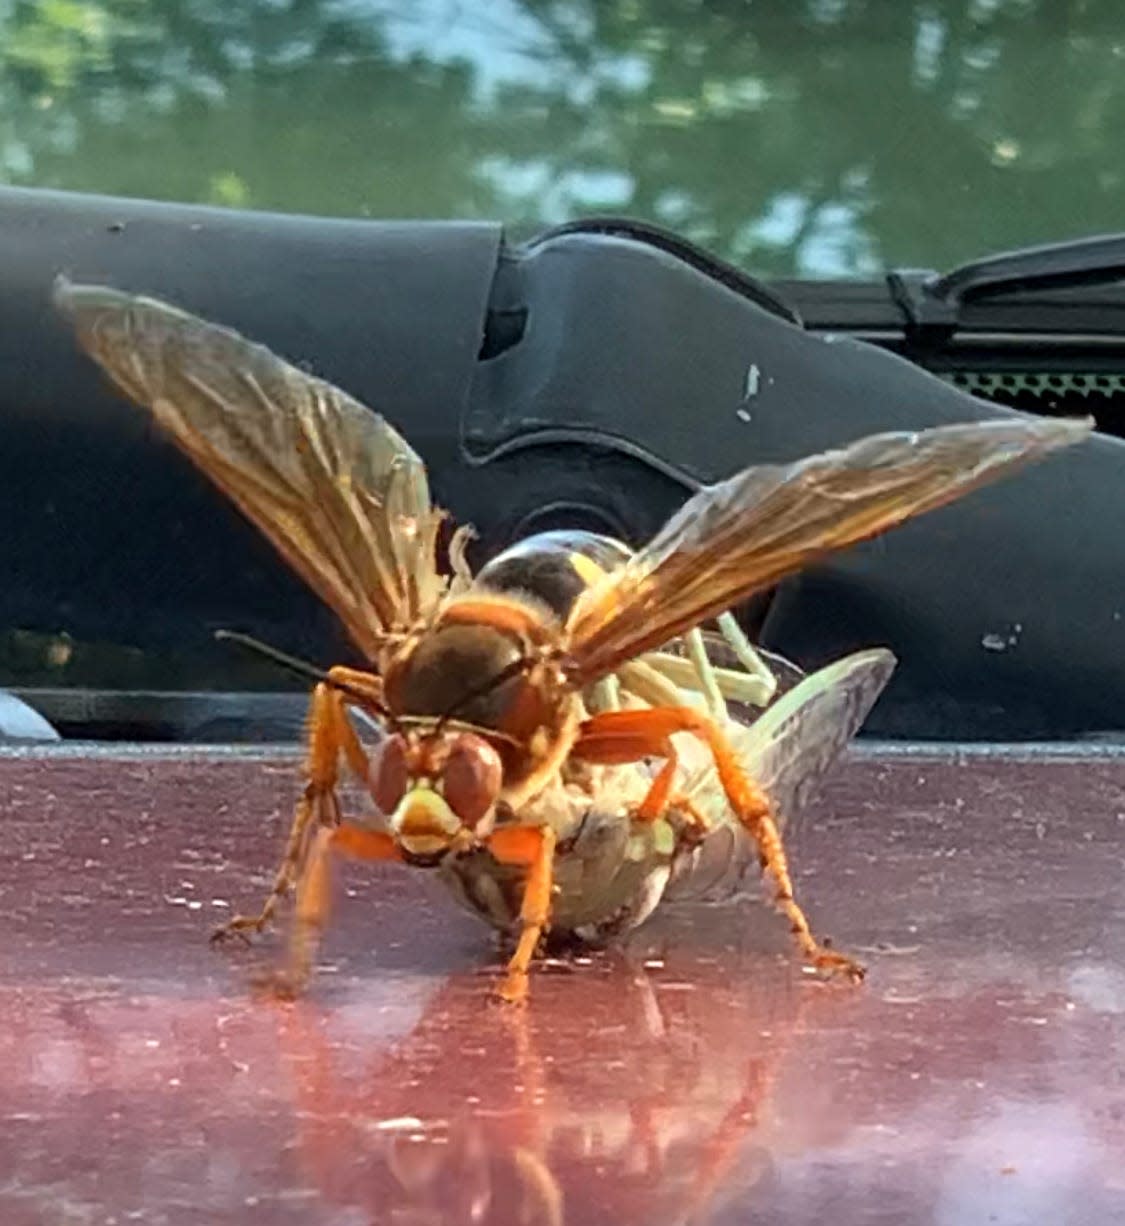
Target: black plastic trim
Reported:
point(720, 271)
point(594, 366)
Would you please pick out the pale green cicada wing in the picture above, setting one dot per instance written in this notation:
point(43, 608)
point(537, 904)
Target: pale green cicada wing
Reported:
point(787, 751)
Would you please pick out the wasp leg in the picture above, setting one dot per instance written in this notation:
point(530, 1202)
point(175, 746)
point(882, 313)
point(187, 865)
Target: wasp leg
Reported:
point(618, 737)
point(543, 1194)
point(314, 897)
point(660, 797)
point(533, 846)
point(696, 823)
point(329, 732)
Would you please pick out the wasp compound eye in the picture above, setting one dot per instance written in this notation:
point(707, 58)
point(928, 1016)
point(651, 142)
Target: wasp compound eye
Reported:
point(388, 775)
point(471, 778)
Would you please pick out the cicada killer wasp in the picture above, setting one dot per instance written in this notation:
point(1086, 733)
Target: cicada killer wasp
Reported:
point(489, 746)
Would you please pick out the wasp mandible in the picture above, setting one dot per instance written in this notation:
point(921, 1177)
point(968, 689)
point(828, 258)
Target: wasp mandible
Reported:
point(481, 690)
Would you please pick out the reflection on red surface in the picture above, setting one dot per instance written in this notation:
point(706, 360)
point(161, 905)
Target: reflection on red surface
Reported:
point(976, 1076)
point(623, 1093)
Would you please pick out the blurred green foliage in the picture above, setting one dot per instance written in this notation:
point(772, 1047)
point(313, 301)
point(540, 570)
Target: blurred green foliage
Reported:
point(810, 137)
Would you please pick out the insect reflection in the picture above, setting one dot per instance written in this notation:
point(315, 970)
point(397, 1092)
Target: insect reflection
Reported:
point(635, 1095)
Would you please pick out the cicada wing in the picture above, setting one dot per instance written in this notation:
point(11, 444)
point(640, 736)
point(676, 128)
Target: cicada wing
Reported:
point(339, 493)
point(745, 534)
point(787, 751)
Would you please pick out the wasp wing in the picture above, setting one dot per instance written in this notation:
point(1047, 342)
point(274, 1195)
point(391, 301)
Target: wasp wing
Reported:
point(786, 751)
point(738, 537)
point(339, 493)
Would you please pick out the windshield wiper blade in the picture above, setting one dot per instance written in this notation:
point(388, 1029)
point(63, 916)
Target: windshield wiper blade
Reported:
point(934, 303)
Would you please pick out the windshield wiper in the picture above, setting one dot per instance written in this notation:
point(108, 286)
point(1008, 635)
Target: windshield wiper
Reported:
point(933, 303)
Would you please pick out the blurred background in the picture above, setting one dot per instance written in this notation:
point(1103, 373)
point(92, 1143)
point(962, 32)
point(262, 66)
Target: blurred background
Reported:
point(806, 141)
point(812, 138)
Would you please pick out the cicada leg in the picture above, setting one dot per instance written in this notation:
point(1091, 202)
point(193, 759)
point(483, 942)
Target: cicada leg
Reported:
point(705, 671)
point(655, 676)
point(605, 695)
point(329, 733)
point(645, 678)
point(750, 660)
point(617, 737)
point(756, 685)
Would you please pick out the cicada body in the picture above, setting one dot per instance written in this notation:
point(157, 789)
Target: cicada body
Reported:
point(612, 870)
point(541, 728)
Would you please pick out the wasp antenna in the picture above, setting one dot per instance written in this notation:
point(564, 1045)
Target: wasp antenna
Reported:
point(302, 667)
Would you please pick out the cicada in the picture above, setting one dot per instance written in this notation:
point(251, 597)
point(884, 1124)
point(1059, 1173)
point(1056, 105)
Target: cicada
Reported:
point(614, 866)
point(486, 691)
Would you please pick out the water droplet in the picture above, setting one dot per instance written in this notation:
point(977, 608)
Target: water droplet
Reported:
point(994, 642)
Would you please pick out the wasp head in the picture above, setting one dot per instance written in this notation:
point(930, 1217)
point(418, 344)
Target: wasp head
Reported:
point(435, 788)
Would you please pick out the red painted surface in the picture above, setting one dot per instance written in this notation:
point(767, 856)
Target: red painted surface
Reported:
point(977, 1076)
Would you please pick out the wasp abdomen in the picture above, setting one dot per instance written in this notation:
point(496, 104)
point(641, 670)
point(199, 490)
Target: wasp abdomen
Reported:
point(554, 567)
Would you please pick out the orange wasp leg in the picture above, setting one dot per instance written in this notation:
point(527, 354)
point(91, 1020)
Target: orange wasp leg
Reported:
point(330, 732)
point(617, 737)
point(533, 846)
point(314, 898)
point(660, 797)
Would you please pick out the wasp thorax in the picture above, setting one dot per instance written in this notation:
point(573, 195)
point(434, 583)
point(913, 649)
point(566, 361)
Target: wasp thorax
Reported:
point(447, 673)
